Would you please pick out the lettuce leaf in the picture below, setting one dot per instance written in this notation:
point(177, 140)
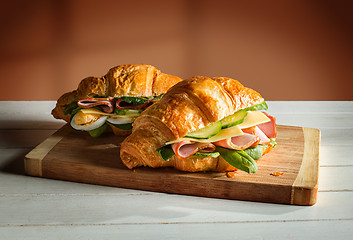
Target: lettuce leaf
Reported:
point(72, 108)
point(166, 152)
point(238, 159)
point(140, 100)
point(255, 152)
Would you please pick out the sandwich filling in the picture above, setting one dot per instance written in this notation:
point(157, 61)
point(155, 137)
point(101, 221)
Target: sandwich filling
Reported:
point(95, 114)
point(240, 139)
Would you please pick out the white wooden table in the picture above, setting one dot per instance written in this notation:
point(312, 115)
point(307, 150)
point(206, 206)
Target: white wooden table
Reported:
point(38, 208)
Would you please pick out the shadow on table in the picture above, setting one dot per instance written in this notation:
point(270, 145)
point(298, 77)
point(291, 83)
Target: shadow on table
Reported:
point(12, 161)
point(17, 138)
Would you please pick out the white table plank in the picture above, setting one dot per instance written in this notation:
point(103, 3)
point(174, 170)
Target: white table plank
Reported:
point(310, 106)
point(336, 178)
point(164, 208)
point(297, 230)
point(28, 115)
point(316, 120)
point(340, 137)
point(336, 155)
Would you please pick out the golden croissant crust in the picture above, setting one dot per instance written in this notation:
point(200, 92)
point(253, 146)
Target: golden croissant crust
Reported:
point(189, 105)
point(137, 80)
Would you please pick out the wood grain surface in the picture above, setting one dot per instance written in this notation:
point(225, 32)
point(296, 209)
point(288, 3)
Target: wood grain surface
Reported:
point(75, 156)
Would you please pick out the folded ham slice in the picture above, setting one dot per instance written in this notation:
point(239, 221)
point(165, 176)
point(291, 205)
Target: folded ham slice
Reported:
point(263, 138)
point(269, 128)
point(239, 142)
point(107, 104)
point(186, 148)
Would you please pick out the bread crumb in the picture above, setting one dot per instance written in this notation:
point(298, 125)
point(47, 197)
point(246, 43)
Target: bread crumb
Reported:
point(276, 174)
point(230, 174)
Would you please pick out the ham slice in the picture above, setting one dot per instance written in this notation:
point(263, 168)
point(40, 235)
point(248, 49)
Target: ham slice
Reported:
point(239, 142)
point(186, 148)
point(251, 138)
point(263, 138)
point(107, 104)
point(121, 104)
point(269, 128)
point(250, 130)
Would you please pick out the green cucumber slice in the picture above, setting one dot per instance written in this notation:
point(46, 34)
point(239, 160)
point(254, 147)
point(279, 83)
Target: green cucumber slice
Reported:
point(127, 111)
point(98, 131)
point(206, 132)
point(203, 155)
point(261, 106)
point(234, 119)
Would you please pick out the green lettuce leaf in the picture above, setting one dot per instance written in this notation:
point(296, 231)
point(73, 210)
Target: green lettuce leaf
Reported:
point(239, 159)
point(255, 153)
point(273, 143)
point(166, 152)
point(72, 109)
point(140, 100)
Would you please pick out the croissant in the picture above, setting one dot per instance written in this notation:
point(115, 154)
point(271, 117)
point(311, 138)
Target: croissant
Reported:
point(190, 107)
point(142, 85)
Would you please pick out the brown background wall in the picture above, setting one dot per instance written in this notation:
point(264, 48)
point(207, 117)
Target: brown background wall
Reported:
point(285, 49)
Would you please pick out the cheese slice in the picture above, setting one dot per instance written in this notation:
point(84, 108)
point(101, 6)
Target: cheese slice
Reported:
point(253, 118)
point(113, 115)
point(223, 134)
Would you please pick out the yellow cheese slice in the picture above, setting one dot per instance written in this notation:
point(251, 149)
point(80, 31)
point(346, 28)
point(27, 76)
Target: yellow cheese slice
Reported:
point(253, 118)
point(113, 115)
point(223, 134)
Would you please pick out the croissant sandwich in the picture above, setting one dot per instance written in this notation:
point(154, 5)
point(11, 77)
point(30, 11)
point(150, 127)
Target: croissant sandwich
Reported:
point(114, 100)
point(202, 124)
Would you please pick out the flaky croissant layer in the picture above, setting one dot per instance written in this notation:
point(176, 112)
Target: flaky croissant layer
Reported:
point(189, 105)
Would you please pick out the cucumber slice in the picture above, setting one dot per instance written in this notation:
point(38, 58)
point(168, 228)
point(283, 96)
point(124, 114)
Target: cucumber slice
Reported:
point(206, 132)
point(98, 131)
point(204, 155)
point(261, 106)
point(234, 119)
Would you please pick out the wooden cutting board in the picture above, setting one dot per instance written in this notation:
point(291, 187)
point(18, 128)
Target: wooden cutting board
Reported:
point(75, 156)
